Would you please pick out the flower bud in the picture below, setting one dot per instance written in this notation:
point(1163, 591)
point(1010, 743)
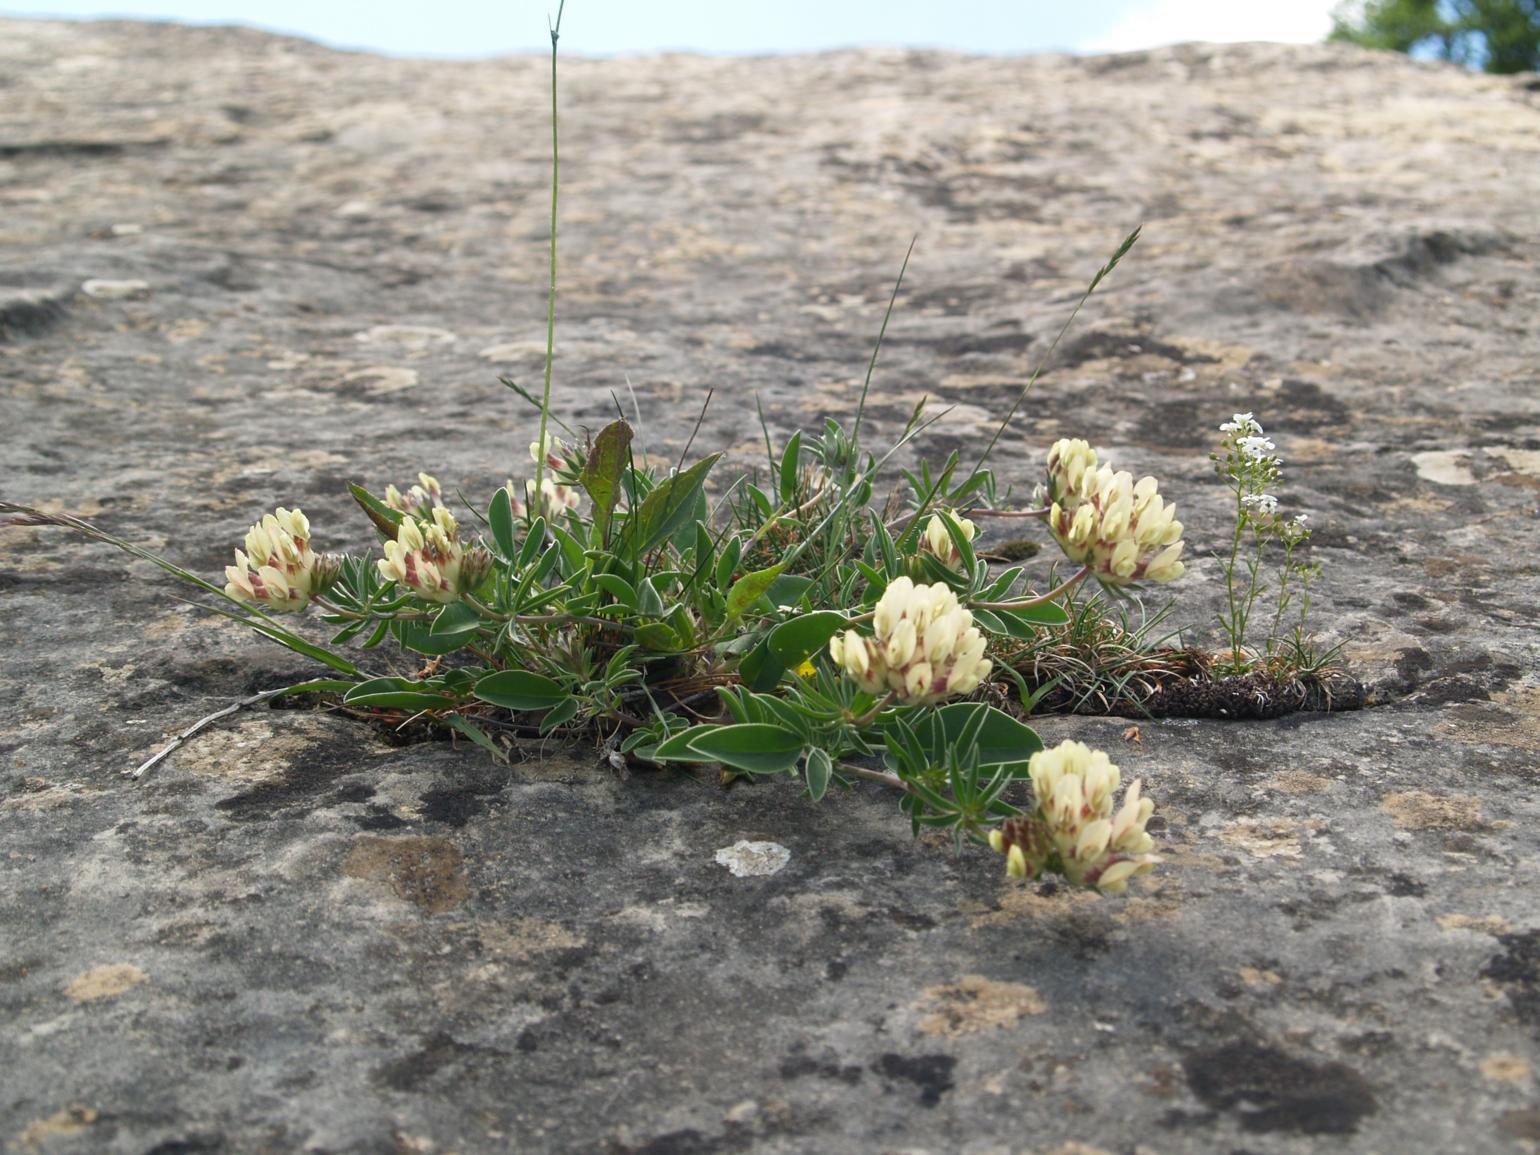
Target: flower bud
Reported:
point(938, 542)
point(421, 500)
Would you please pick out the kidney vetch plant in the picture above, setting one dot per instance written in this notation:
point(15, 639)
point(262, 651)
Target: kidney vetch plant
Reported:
point(787, 621)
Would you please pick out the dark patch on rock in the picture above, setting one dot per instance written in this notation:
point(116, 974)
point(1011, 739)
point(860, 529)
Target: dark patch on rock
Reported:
point(193, 1145)
point(1517, 971)
point(686, 1141)
point(1404, 886)
point(1522, 1124)
point(74, 148)
point(799, 1065)
point(295, 790)
point(30, 312)
point(439, 1052)
point(353, 792)
point(1108, 346)
point(931, 1073)
point(452, 807)
point(379, 818)
point(1269, 1090)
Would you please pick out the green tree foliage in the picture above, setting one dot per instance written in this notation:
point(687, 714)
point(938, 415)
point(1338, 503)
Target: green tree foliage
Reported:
point(1497, 35)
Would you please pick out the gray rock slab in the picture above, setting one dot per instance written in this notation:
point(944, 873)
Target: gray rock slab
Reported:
point(296, 936)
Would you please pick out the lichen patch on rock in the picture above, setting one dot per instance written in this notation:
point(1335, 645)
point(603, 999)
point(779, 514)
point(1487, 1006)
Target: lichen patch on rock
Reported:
point(1424, 810)
point(104, 982)
point(975, 1003)
point(429, 873)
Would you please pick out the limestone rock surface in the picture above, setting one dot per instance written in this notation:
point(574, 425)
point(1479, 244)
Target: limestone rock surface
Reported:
point(238, 270)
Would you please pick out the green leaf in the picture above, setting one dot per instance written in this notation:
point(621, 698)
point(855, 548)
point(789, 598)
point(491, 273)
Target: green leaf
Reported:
point(420, 638)
point(727, 561)
point(759, 669)
point(396, 694)
point(1002, 740)
point(602, 471)
point(456, 620)
point(677, 748)
point(1025, 623)
point(476, 734)
point(657, 637)
point(618, 588)
point(520, 690)
point(790, 644)
point(788, 589)
point(753, 747)
point(817, 769)
point(385, 519)
point(648, 600)
point(794, 641)
point(556, 715)
point(500, 519)
point(668, 506)
point(571, 550)
point(789, 461)
point(749, 589)
point(315, 686)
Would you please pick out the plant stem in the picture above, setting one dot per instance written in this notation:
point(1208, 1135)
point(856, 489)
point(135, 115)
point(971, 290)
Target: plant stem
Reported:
point(883, 776)
point(550, 315)
point(1028, 603)
point(1038, 513)
point(871, 715)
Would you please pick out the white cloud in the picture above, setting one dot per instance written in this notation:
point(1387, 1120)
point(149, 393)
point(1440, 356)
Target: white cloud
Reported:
point(1155, 22)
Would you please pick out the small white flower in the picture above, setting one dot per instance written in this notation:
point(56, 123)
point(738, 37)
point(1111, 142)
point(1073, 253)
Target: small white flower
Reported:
point(1241, 423)
point(1263, 503)
point(1255, 447)
point(1301, 518)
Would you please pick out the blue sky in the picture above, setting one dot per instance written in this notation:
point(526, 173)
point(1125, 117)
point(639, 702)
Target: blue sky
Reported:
point(601, 27)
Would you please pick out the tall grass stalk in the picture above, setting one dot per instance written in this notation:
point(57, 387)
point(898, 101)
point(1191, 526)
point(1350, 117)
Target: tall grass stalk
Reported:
point(550, 313)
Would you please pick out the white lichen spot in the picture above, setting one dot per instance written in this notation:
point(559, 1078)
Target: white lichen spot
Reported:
point(751, 859)
point(409, 336)
point(382, 379)
point(1444, 467)
point(105, 290)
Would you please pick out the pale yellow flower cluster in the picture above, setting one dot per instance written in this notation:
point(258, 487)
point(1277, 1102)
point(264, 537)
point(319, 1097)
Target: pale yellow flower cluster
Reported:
point(422, 499)
point(428, 559)
point(554, 497)
point(1121, 528)
point(935, 540)
point(278, 571)
point(1074, 831)
point(926, 647)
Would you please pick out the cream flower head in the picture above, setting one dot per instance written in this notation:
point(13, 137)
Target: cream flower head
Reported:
point(1123, 529)
point(925, 647)
point(1074, 830)
point(278, 571)
point(427, 558)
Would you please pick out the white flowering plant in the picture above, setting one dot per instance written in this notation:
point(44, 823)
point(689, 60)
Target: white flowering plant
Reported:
point(785, 623)
point(1248, 461)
